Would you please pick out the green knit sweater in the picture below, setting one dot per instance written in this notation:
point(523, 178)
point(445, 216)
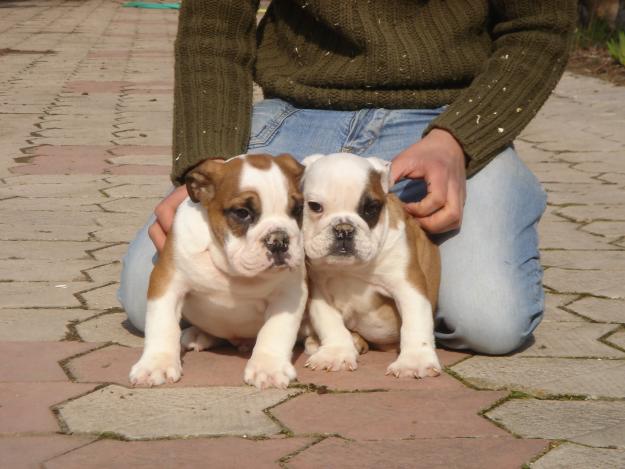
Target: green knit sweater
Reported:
point(494, 62)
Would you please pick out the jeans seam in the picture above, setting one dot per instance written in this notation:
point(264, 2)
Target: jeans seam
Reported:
point(271, 128)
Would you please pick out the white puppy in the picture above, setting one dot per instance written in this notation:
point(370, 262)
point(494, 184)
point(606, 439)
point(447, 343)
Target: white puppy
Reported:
point(372, 270)
point(233, 267)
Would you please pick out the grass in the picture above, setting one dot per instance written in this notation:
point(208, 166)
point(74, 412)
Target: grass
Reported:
point(616, 47)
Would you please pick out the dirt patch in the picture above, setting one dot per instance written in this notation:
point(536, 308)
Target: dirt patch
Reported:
point(597, 62)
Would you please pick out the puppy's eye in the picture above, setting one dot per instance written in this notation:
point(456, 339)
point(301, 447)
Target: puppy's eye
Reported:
point(242, 214)
point(372, 208)
point(315, 207)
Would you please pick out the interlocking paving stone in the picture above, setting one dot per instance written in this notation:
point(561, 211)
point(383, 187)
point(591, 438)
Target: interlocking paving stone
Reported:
point(547, 376)
point(371, 374)
point(618, 339)
point(102, 297)
point(113, 327)
point(553, 310)
point(142, 206)
point(46, 250)
point(37, 270)
point(227, 452)
point(479, 453)
point(571, 339)
point(591, 282)
point(105, 273)
point(384, 415)
point(174, 412)
point(43, 233)
point(588, 213)
point(139, 190)
point(40, 294)
point(37, 361)
point(571, 456)
point(25, 406)
point(111, 253)
point(611, 229)
point(600, 309)
point(585, 260)
point(563, 235)
point(32, 451)
point(593, 423)
point(37, 324)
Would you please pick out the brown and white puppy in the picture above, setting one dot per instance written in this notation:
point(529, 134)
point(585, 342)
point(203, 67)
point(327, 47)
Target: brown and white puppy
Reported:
point(233, 267)
point(372, 270)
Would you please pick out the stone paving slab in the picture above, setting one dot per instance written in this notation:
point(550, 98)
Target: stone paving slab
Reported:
point(554, 311)
point(570, 456)
point(40, 294)
point(571, 339)
point(547, 376)
point(113, 327)
point(600, 309)
point(26, 406)
point(104, 297)
point(227, 452)
point(37, 361)
point(384, 415)
point(593, 423)
point(597, 283)
point(38, 324)
point(482, 453)
point(618, 338)
point(173, 413)
point(31, 451)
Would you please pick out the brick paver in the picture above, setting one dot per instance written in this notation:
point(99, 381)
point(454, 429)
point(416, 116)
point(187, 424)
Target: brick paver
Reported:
point(86, 113)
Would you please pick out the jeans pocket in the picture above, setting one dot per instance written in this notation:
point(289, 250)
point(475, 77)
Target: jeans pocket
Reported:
point(267, 118)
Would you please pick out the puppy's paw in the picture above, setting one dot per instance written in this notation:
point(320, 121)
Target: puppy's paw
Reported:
point(334, 358)
point(196, 340)
point(156, 369)
point(415, 364)
point(268, 371)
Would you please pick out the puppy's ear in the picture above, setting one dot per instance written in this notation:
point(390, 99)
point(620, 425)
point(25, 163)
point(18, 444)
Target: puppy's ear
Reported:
point(311, 159)
point(290, 166)
point(384, 168)
point(202, 180)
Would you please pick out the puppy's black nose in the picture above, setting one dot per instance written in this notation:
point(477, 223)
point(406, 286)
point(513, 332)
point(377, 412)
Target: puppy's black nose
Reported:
point(277, 242)
point(344, 232)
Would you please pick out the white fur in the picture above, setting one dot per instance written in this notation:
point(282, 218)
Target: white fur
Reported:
point(230, 291)
point(343, 289)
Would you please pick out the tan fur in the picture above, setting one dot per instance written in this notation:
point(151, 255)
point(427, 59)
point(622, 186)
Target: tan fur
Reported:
point(424, 268)
point(262, 162)
point(163, 270)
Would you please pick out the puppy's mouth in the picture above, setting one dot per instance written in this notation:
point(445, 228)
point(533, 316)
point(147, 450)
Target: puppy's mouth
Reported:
point(278, 260)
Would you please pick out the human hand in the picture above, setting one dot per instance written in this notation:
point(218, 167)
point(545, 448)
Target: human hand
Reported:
point(165, 211)
point(438, 159)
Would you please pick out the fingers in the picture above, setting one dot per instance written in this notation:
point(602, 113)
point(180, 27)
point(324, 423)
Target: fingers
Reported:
point(157, 235)
point(447, 218)
point(167, 208)
point(437, 181)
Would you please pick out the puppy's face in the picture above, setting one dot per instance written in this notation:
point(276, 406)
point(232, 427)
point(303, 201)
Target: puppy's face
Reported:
point(344, 208)
point(254, 209)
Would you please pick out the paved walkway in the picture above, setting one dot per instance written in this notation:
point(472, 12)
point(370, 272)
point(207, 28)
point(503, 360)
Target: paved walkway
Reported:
point(85, 110)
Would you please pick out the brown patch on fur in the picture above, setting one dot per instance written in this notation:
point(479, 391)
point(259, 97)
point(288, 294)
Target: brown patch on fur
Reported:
point(262, 162)
point(373, 197)
point(293, 171)
point(424, 266)
point(163, 270)
point(214, 185)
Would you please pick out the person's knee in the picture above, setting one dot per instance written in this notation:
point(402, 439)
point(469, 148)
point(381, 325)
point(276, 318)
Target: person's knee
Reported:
point(495, 324)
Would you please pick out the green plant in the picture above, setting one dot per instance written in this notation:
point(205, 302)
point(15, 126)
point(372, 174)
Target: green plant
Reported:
point(616, 47)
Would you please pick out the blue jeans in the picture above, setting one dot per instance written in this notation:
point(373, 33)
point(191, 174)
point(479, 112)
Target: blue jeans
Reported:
point(491, 296)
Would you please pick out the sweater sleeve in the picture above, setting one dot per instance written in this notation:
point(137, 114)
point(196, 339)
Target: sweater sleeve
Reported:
point(214, 54)
point(531, 44)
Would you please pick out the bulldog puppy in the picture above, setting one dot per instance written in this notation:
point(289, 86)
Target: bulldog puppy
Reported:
point(233, 267)
point(372, 270)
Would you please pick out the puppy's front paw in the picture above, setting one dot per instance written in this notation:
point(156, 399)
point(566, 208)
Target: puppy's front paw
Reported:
point(415, 364)
point(334, 358)
point(156, 369)
point(268, 371)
